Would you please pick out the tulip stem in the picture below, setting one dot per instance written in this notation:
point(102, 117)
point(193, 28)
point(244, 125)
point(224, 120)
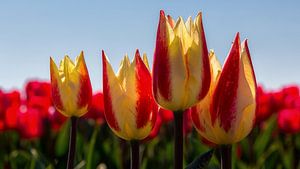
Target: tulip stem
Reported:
point(135, 154)
point(226, 156)
point(72, 142)
point(178, 145)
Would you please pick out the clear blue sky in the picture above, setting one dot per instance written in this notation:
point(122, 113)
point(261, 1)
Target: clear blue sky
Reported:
point(32, 31)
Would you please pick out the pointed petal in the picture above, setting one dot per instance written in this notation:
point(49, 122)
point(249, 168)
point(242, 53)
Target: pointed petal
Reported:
point(248, 68)
point(171, 21)
point(123, 69)
point(108, 81)
point(225, 95)
point(246, 96)
point(161, 65)
point(183, 34)
point(144, 91)
point(55, 81)
point(189, 25)
point(85, 88)
point(205, 76)
point(145, 59)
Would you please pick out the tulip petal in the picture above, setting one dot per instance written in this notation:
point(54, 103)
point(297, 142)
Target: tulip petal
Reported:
point(161, 65)
point(225, 95)
point(144, 91)
point(55, 81)
point(201, 112)
point(246, 95)
point(85, 89)
point(110, 85)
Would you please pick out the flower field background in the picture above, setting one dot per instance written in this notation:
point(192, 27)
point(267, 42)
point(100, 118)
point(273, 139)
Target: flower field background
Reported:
point(34, 135)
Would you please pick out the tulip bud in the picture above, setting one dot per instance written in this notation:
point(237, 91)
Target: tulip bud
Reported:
point(71, 86)
point(227, 113)
point(181, 73)
point(130, 109)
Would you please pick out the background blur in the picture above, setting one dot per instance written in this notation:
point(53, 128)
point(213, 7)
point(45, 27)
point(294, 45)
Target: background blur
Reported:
point(32, 31)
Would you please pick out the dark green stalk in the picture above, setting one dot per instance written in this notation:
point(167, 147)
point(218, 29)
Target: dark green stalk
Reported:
point(178, 145)
point(226, 156)
point(135, 154)
point(72, 142)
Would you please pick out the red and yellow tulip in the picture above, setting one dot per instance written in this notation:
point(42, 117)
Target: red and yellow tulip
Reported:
point(130, 109)
point(226, 115)
point(181, 69)
point(71, 86)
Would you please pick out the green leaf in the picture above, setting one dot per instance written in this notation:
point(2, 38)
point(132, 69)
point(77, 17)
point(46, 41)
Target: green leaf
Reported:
point(264, 138)
point(201, 161)
point(91, 148)
point(62, 141)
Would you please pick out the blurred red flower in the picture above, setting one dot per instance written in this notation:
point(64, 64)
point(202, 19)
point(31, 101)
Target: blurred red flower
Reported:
point(289, 121)
point(10, 117)
point(10, 103)
point(96, 111)
point(37, 88)
point(56, 119)
point(38, 95)
point(30, 123)
point(265, 105)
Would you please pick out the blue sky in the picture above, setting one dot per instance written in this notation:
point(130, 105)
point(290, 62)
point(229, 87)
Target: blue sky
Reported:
point(32, 31)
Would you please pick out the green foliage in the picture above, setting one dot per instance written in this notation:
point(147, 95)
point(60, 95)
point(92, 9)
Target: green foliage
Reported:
point(264, 148)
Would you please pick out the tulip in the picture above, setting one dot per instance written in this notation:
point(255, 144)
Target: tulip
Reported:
point(71, 94)
point(227, 113)
point(130, 109)
point(71, 86)
point(181, 73)
point(181, 70)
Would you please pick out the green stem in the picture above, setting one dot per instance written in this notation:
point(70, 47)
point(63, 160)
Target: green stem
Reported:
point(72, 142)
point(178, 145)
point(135, 154)
point(91, 147)
point(226, 156)
point(296, 153)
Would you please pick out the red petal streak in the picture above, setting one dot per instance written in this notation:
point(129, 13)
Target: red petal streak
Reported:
point(206, 76)
point(171, 21)
point(224, 97)
point(56, 99)
point(109, 114)
point(145, 100)
point(85, 94)
point(161, 65)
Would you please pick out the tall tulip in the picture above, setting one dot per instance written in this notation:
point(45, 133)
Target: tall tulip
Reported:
point(71, 94)
point(130, 109)
point(181, 70)
point(181, 73)
point(227, 113)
